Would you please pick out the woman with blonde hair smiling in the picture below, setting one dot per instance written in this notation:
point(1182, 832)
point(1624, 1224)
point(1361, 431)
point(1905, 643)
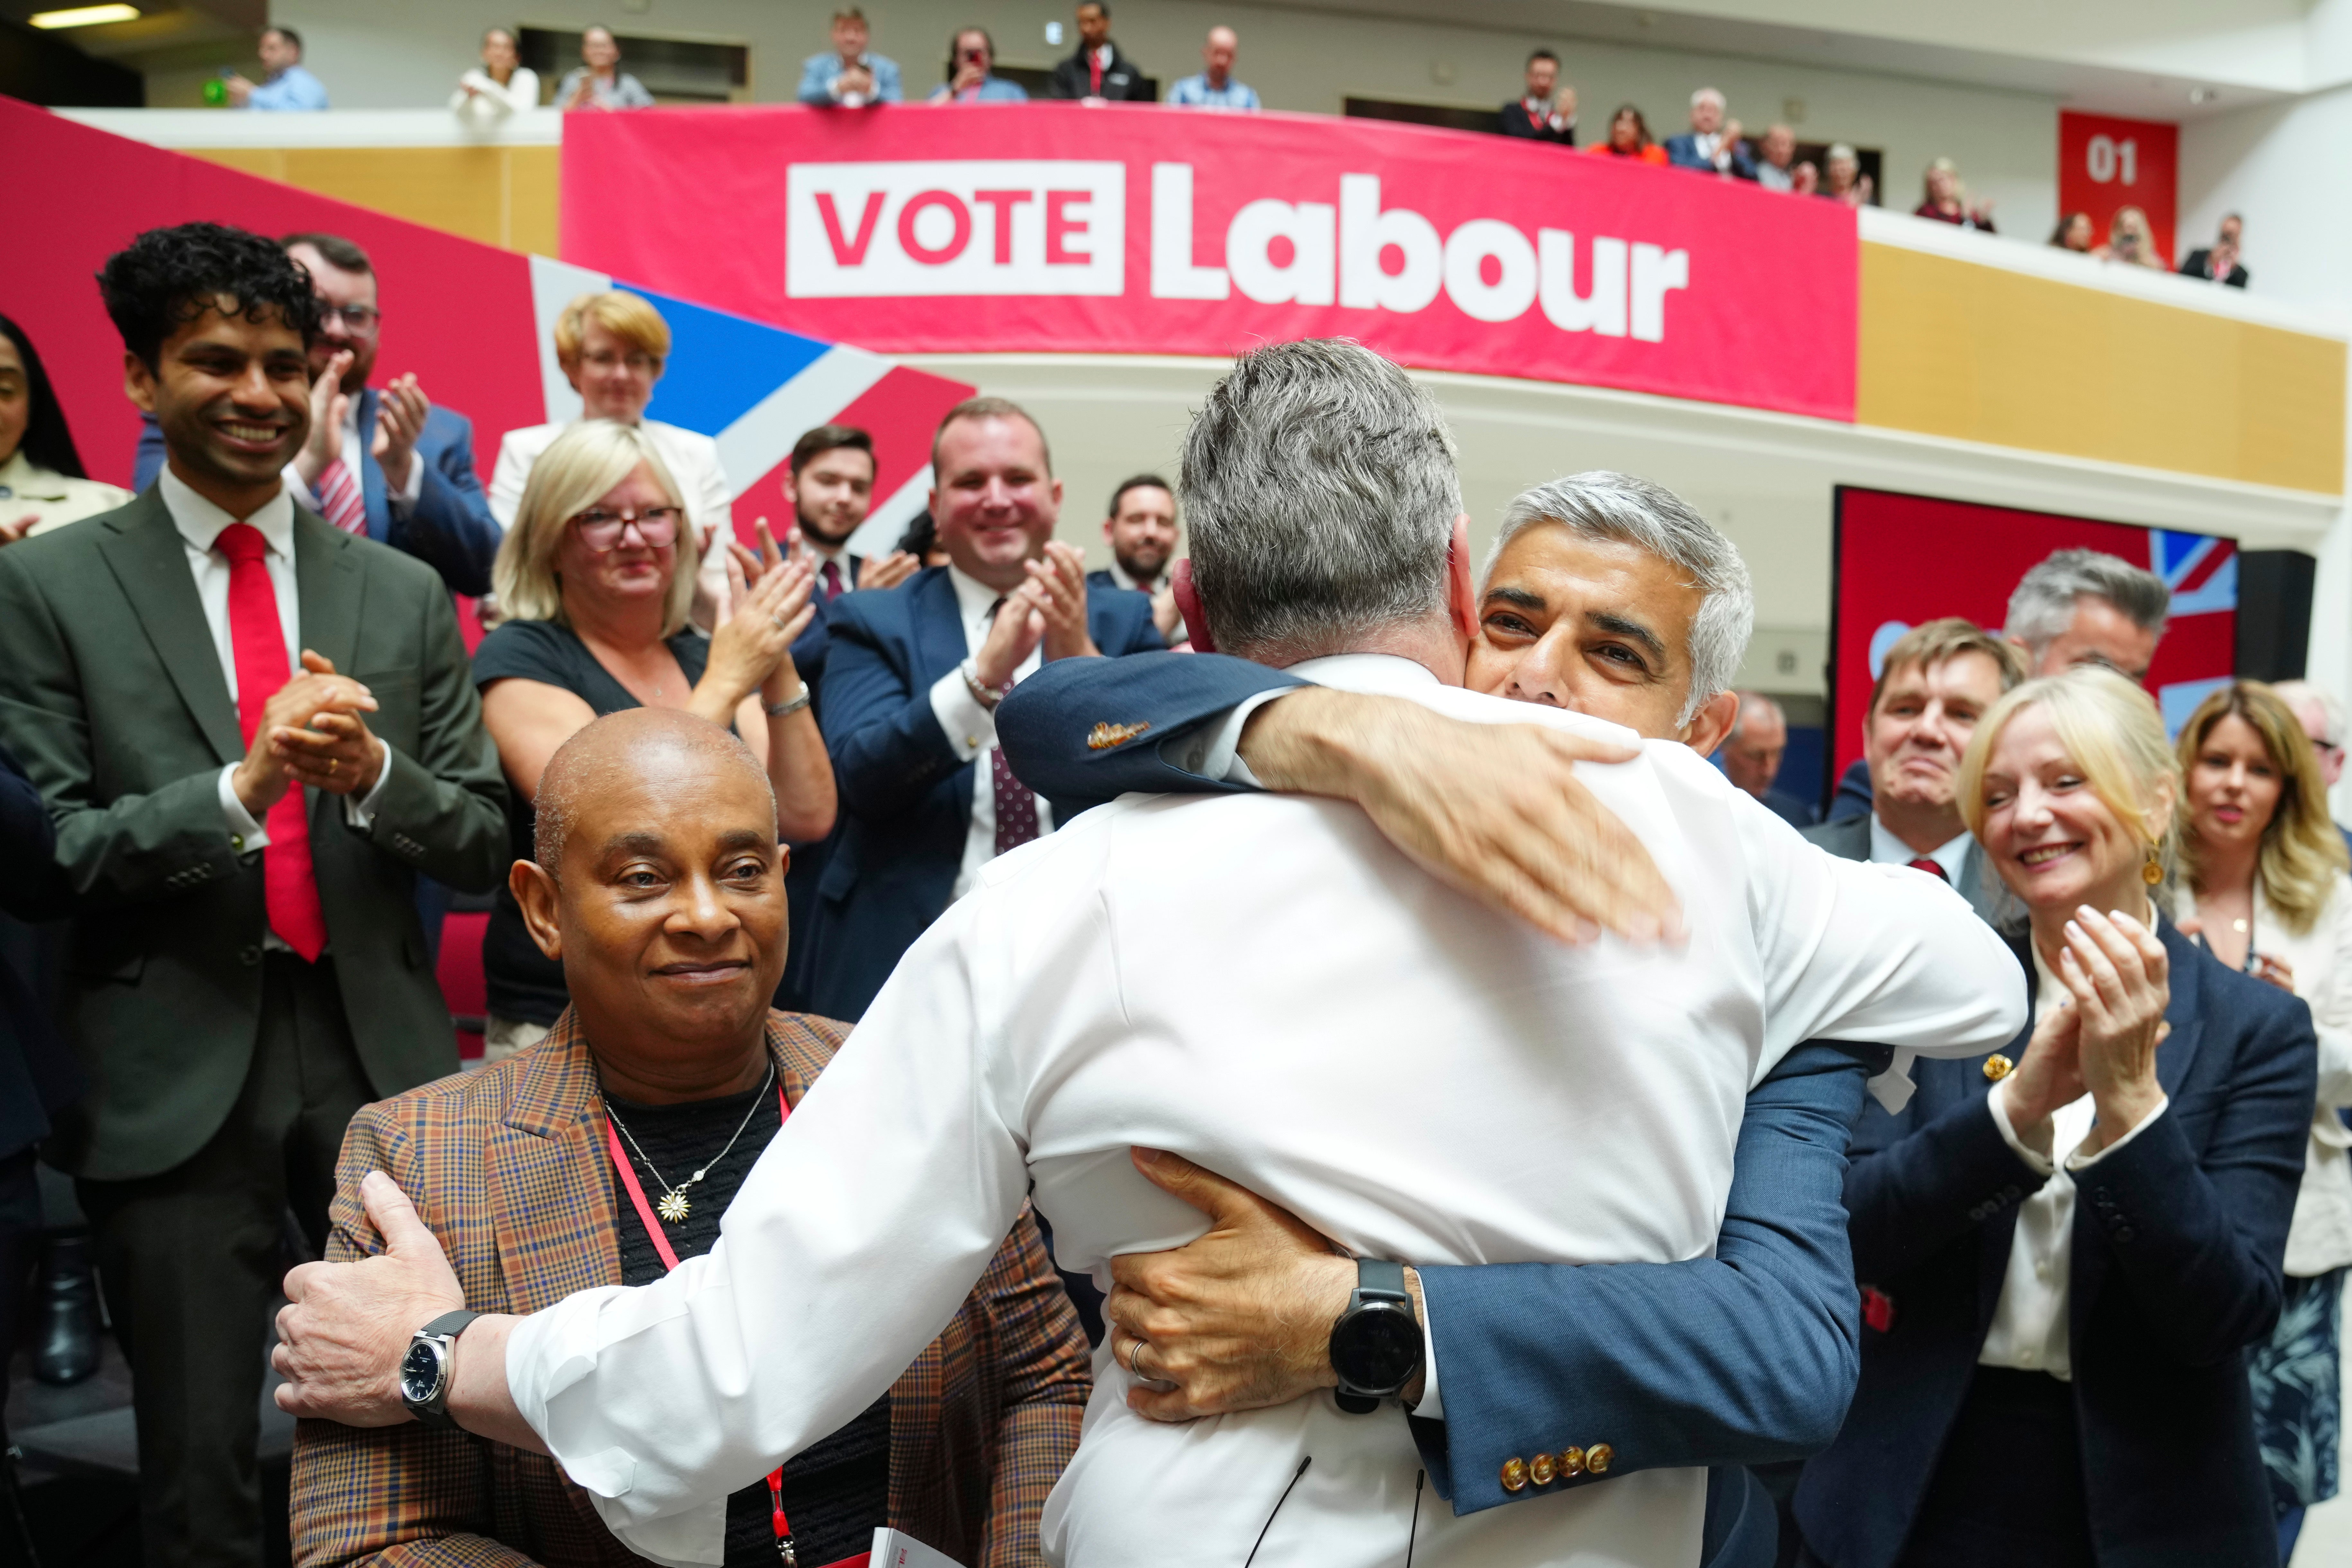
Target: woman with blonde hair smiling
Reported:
point(2066, 1247)
point(596, 575)
point(2267, 869)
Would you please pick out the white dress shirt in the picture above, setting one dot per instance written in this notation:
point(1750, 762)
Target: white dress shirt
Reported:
point(401, 501)
point(200, 523)
point(1264, 984)
point(2029, 1329)
point(970, 729)
point(692, 459)
point(490, 102)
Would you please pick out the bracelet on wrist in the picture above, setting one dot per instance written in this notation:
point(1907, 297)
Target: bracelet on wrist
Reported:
point(791, 705)
point(987, 696)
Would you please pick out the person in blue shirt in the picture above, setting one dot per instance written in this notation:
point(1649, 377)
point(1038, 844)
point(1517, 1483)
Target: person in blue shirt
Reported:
point(849, 76)
point(971, 65)
point(287, 87)
point(1215, 88)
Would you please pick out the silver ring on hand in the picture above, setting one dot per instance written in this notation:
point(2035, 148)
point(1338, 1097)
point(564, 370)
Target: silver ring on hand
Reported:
point(779, 620)
point(1135, 1358)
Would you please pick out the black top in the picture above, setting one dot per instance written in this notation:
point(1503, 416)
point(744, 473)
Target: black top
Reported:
point(837, 1492)
point(524, 982)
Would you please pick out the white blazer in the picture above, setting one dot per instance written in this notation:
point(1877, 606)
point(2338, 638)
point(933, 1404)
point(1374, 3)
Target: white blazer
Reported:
point(2321, 1236)
point(1264, 984)
point(488, 103)
point(693, 460)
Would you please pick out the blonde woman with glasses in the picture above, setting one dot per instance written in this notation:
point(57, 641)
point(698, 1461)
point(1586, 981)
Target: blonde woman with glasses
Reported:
point(596, 576)
point(2067, 1248)
point(2266, 867)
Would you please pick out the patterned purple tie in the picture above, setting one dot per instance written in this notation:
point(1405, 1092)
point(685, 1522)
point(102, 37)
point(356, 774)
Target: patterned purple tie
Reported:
point(831, 576)
point(1016, 802)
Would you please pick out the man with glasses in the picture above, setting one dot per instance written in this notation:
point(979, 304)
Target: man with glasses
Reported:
point(387, 464)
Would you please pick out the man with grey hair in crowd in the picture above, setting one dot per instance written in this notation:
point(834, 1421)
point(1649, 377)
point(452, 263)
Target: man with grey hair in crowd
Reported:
point(2322, 718)
point(1304, 980)
point(1752, 754)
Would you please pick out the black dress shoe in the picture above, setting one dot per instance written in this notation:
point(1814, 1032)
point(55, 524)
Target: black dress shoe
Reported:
point(65, 1332)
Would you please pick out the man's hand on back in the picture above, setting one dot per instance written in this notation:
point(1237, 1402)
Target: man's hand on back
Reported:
point(1239, 1318)
point(1495, 811)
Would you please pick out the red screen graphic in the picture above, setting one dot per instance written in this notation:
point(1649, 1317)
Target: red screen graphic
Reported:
point(1901, 560)
point(2106, 164)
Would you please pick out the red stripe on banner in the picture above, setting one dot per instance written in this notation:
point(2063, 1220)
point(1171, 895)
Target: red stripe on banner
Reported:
point(899, 411)
point(1159, 230)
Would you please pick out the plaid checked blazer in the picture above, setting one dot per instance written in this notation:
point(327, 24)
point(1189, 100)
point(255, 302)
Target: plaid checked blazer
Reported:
point(508, 1167)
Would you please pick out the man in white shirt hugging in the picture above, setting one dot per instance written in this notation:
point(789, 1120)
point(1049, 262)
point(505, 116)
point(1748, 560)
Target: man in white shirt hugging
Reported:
point(1417, 1076)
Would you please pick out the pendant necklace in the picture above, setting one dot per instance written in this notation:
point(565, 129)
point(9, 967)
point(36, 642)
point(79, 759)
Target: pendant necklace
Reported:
point(673, 1205)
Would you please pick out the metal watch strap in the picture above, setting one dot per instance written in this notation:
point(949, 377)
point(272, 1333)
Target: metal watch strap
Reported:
point(434, 1412)
point(791, 705)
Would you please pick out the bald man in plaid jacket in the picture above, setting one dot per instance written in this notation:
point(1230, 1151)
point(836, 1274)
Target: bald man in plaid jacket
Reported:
point(510, 1168)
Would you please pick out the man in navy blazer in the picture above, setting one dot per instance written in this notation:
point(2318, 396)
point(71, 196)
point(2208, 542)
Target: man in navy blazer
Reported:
point(912, 685)
point(409, 465)
point(1712, 145)
point(1746, 1358)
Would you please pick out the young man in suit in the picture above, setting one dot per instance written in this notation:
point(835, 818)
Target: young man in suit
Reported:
point(1100, 71)
point(1938, 680)
point(254, 732)
point(387, 463)
point(2218, 262)
point(1142, 534)
point(1548, 111)
point(912, 685)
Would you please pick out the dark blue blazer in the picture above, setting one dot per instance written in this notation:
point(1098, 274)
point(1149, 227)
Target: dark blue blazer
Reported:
point(2179, 1241)
point(906, 800)
point(38, 1074)
point(1682, 152)
point(1854, 797)
point(1746, 1358)
point(450, 528)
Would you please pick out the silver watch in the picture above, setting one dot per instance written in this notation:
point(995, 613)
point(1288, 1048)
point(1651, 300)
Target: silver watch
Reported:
point(425, 1370)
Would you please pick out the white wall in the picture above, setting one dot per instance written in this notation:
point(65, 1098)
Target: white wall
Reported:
point(376, 55)
point(2285, 167)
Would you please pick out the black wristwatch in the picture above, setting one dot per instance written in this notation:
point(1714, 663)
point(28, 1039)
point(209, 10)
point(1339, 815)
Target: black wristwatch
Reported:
point(425, 1369)
point(1376, 1342)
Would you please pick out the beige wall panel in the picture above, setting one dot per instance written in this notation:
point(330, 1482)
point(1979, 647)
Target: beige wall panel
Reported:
point(1977, 354)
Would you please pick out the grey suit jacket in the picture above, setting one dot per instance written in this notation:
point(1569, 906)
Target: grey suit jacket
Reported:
point(1849, 839)
point(112, 695)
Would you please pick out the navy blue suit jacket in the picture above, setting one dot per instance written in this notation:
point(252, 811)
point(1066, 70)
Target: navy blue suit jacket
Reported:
point(906, 800)
point(1746, 1358)
point(1682, 152)
point(2178, 1239)
point(450, 528)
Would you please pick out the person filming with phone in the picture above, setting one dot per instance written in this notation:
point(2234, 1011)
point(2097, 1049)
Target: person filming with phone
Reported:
point(972, 78)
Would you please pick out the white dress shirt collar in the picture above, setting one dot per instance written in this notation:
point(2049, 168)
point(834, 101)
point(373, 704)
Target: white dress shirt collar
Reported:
point(974, 598)
point(1367, 672)
point(1886, 849)
point(200, 522)
point(1126, 579)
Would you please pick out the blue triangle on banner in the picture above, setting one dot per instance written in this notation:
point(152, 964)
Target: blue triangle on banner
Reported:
point(735, 364)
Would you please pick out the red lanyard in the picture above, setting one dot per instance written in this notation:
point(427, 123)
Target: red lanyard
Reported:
point(669, 1260)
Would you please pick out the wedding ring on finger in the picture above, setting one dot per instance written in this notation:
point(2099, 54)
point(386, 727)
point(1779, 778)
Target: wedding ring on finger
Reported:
point(779, 620)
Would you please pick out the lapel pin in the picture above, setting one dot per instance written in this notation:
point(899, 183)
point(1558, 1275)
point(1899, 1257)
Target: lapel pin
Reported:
point(1103, 737)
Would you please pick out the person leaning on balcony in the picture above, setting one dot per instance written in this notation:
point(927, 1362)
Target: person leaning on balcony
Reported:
point(286, 87)
point(1946, 199)
point(1846, 182)
point(2132, 241)
point(2074, 233)
point(598, 81)
point(1214, 87)
point(1547, 112)
point(1629, 137)
point(972, 72)
point(849, 75)
point(2218, 263)
point(1776, 160)
point(502, 85)
point(1713, 144)
point(1100, 71)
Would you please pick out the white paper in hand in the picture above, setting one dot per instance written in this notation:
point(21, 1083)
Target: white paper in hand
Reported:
point(897, 1549)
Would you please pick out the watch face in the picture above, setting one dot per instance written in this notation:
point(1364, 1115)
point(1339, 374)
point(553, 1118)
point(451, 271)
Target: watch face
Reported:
point(1376, 1349)
point(420, 1372)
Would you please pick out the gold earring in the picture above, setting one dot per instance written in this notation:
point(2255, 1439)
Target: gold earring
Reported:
point(2153, 872)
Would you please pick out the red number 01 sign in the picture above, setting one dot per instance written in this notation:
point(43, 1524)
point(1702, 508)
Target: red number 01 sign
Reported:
point(2105, 164)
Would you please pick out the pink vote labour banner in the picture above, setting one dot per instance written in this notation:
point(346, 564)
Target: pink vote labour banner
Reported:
point(1136, 230)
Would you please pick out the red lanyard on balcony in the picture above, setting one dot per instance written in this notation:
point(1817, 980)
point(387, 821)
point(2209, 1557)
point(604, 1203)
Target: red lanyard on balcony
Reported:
point(784, 1553)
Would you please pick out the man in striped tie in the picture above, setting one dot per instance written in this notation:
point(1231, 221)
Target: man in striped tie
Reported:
point(254, 730)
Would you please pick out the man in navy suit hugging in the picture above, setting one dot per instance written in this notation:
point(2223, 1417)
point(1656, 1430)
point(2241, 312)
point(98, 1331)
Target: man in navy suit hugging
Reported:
point(386, 465)
point(912, 685)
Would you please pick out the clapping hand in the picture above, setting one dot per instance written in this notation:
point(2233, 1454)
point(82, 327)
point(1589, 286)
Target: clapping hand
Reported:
point(14, 529)
point(887, 570)
point(773, 607)
point(1057, 586)
point(310, 733)
point(329, 404)
point(399, 414)
point(1019, 626)
point(2119, 974)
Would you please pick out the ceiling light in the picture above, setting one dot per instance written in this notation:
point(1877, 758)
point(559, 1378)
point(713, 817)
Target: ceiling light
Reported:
point(2202, 94)
point(84, 16)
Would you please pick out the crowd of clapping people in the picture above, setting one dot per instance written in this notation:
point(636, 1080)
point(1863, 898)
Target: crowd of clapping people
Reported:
point(727, 785)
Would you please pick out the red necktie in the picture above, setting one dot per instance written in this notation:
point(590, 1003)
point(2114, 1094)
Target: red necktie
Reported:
point(1095, 67)
point(832, 575)
point(1016, 802)
point(340, 501)
point(1932, 867)
point(257, 639)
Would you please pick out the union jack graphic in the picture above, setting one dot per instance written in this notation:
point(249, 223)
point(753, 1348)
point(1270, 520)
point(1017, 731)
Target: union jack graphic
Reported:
point(2202, 572)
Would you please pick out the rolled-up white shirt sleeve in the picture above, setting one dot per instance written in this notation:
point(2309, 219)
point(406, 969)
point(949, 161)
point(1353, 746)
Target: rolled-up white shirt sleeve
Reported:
point(832, 1270)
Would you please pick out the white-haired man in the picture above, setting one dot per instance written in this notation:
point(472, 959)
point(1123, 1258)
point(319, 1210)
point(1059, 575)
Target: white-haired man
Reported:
point(1394, 1062)
point(1752, 754)
point(2322, 718)
point(1713, 144)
